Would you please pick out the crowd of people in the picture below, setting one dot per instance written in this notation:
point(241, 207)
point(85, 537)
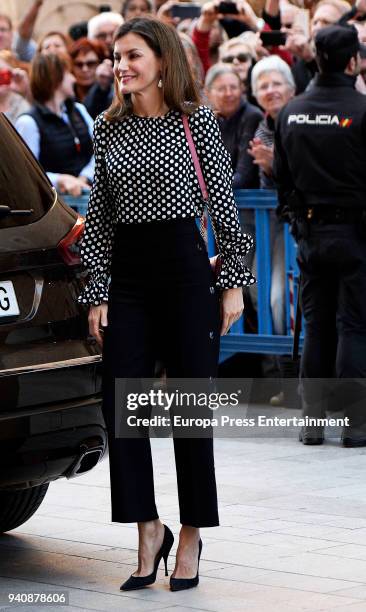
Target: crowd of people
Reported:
point(52, 89)
point(245, 80)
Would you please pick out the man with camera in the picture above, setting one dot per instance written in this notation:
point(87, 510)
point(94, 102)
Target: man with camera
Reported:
point(319, 167)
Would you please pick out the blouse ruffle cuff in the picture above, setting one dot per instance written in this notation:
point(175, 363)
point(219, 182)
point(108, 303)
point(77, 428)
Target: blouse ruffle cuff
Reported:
point(95, 291)
point(234, 273)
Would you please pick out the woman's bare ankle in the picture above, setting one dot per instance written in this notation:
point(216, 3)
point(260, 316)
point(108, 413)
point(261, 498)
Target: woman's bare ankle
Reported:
point(189, 534)
point(150, 528)
point(187, 552)
point(151, 535)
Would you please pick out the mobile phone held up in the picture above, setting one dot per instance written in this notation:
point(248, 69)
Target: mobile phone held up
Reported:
point(5, 76)
point(274, 38)
point(185, 10)
point(227, 8)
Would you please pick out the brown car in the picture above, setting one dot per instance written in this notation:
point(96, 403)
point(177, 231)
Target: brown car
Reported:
point(51, 423)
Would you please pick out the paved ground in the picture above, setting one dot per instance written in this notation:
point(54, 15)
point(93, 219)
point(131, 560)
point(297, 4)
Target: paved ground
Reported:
point(292, 536)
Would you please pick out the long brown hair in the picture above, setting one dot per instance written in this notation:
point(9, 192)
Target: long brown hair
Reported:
point(179, 89)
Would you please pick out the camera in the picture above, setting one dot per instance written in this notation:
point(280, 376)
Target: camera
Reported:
point(274, 38)
point(185, 10)
point(5, 76)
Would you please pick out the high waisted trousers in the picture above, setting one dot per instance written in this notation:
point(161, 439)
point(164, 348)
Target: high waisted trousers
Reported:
point(162, 303)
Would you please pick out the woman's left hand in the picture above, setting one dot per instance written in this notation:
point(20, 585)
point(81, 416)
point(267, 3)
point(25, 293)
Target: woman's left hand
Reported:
point(232, 306)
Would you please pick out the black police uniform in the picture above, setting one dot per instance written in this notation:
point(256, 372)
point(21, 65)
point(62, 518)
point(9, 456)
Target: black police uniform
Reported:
point(320, 170)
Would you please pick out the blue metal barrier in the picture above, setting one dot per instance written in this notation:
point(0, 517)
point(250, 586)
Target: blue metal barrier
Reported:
point(238, 341)
point(79, 204)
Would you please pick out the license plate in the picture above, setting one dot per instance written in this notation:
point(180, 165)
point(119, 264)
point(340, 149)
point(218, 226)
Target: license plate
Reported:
point(8, 300)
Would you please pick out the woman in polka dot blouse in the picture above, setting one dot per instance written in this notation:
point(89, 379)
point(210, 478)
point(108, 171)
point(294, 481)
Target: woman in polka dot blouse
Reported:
point(152, 291)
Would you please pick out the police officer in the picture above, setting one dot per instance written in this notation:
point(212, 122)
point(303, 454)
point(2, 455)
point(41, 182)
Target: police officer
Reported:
point(320, 170)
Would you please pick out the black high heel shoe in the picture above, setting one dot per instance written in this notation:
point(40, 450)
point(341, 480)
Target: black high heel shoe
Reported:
point(138, 582)
point(178, 584)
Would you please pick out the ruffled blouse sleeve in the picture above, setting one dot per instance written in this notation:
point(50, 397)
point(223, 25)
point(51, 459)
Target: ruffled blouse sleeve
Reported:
point(97, 242)
point(216, 167)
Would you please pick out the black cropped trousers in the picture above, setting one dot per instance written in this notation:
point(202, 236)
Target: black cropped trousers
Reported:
point(162, 303)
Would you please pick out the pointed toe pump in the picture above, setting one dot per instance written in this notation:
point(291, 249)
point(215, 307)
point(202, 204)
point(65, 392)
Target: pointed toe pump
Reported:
point(179, 584)
point(138, 582)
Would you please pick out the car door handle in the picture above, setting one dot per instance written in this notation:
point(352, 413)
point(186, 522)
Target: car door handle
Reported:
point(6, 210)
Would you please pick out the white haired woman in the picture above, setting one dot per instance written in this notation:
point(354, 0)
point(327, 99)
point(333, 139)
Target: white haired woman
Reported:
point(273, 85)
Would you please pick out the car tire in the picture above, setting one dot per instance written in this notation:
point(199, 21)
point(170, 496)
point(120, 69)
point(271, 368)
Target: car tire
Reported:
point(16, 507)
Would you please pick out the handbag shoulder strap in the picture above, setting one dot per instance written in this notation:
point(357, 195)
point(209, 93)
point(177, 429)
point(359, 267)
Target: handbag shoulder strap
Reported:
point(196, 162)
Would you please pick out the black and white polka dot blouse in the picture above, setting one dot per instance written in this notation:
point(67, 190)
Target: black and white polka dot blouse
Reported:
point(143, 172)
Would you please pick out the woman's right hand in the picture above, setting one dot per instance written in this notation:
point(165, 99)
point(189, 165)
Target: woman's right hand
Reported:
point(71, 185)
point(97, 319)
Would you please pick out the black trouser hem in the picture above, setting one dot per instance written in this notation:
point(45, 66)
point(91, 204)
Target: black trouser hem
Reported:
point(199, 524)
point(141, 518)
